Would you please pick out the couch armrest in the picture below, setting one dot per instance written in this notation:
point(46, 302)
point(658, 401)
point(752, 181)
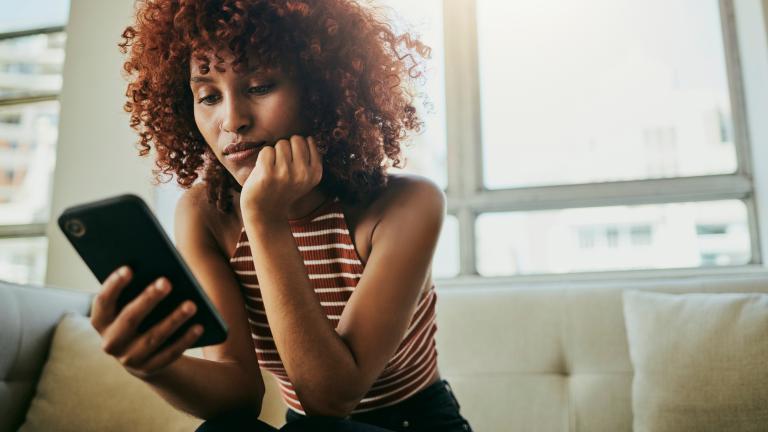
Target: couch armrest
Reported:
point(28, 316)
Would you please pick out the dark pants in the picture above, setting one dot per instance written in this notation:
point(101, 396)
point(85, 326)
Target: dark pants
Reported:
point(433, 409)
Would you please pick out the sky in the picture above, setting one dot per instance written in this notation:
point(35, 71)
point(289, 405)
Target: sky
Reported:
point(21, 15)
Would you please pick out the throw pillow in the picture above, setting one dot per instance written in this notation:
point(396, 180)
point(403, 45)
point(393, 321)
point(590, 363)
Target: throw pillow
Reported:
point(700, 361)
point(83, 389)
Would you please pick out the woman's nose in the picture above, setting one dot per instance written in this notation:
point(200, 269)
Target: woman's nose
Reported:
point(237, 117)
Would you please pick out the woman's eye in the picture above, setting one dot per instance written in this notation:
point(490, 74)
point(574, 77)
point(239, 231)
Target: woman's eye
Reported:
point(260, 90)
point(208, 100)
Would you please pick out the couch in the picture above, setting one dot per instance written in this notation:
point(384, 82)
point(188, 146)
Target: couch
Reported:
point(520, 356)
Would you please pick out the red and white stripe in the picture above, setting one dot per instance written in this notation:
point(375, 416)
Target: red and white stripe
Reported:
point(334, 269)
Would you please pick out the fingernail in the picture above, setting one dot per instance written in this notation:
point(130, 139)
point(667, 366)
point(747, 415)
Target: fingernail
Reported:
point(123, 271)
point(189, 307)
point(197, 330)
point(160, 284)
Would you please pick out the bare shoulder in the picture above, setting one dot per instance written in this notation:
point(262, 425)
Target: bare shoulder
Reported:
point(195, 217)
point(194, 201)
point(407, 200)
point(414, 185)
point(409, 195)
point(191, 207)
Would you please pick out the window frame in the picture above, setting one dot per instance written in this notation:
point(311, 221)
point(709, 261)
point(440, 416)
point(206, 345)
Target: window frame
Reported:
point(29, 230)
point(468, 198)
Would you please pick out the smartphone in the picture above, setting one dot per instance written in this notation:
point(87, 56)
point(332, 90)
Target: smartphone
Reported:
point(122, 230)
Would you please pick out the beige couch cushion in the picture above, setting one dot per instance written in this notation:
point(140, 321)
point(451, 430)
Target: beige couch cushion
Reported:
point(83, 389)
point(700, 360)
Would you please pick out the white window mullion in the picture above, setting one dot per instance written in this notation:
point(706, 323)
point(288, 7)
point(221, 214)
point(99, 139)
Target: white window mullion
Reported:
point(463, 122)
point(743, 145)
point(738, 106)
point(26, 230)
point(638, 192)
point(749, 42)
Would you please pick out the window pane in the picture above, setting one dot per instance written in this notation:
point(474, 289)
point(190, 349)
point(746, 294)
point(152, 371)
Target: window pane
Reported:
point(31, 65)
point(32, 14)
point(27, 154)
point(22, 260)
point(445, 263)
point(602, 90)
point(426, 152)
point(613, 238)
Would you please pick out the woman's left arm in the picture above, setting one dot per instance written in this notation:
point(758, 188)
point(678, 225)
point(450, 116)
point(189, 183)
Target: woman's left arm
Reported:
point(332, 369)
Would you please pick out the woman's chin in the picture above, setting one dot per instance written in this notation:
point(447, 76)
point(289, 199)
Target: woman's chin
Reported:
point(241, 172)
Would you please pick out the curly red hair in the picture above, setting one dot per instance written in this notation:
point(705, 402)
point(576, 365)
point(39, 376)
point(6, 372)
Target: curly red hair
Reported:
point(351, 63)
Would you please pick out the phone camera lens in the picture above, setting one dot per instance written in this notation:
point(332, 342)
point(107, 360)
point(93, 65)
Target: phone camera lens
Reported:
point(75, 227)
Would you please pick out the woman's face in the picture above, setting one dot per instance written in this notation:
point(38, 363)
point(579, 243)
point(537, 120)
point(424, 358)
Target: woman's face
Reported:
point(240, 112)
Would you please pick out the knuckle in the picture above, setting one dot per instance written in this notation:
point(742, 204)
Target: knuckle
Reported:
point(151, 341)
point(100, 300)
point(179, 350)
point(108, 347)
point(131, 320)
point(179, 318)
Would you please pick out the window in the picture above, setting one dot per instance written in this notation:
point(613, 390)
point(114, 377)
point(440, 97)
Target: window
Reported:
point(426, 152)
point(603, 135)
point(32, 42)
point(595, 136)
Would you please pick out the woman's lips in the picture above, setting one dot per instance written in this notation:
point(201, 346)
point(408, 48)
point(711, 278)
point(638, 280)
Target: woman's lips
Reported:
point(242, 155)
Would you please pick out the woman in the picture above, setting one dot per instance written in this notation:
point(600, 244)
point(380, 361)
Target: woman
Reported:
point(291, 111)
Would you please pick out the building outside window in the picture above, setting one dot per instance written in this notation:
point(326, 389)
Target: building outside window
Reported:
point(32, 39)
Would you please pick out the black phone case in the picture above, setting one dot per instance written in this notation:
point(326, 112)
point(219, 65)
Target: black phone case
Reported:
point(121, 231)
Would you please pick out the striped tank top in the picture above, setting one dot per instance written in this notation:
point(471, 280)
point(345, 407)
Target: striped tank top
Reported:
point(334, 269)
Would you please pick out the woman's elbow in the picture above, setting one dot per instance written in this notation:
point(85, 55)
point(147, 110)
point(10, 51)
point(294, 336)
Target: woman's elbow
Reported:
point(246, 406)
point(246, 411)
point(329, 404)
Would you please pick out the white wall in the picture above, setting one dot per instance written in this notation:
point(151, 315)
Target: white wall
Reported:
point(96, 155)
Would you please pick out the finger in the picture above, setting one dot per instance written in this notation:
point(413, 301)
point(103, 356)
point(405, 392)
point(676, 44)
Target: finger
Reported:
point(283, 152)
point(149, 342)
point(104, 305)
point(123, 329)
point(315, 159)
point(266, 158)
point(300, 150)
point(175, 350)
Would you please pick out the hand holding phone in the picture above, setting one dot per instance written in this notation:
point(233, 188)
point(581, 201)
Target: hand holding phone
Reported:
point(142, 324)
point(142, 354)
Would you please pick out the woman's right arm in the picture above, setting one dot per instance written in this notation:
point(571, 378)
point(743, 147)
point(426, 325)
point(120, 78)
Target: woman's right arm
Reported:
point(228, 378)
